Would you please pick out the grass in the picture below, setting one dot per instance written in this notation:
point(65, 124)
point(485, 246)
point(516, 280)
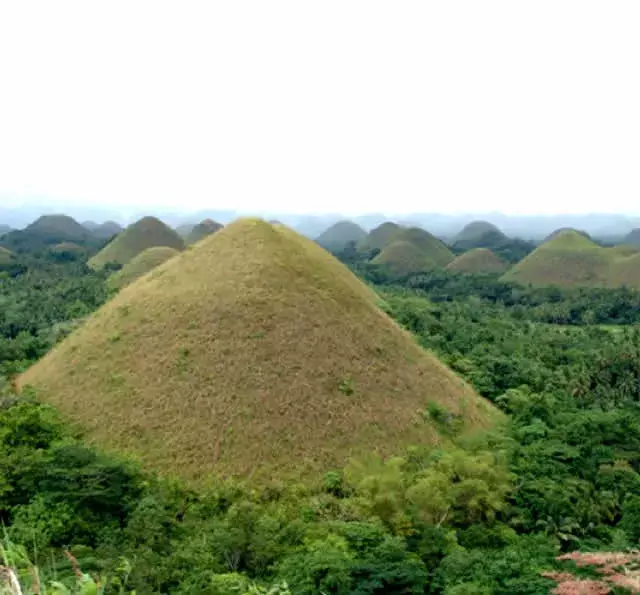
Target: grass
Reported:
point(478, 260)
point(404, 258)
point(256, 354)
point(379, 237)
point(340, 234)
point(145, 233)
point(570, 259)
point(202, 230)
point(146, 261)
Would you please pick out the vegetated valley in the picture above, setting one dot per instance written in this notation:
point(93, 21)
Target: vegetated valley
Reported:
point(511, 465)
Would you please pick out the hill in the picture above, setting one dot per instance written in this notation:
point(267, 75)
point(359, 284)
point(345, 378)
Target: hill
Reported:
point(107, 230)
point(256, 354)
point(404, 258)
point(475, 230)
point(433, 248)
point(562, 230)
point(185, 229)
point(340, 234)
point(4, 229)
point(202, 230)
point(145, 233)
point(572, 260)
point(146, 261)
point(47, 231)
point(478, 260)
point(633, 237)
point(380, 237)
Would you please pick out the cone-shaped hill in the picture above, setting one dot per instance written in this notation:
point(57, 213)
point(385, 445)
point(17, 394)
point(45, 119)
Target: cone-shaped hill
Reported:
point(107, 230)
point(139, 266)
point(475, 230)
point(202, 230)
point(413, 250)
point(478, 260)
point(340, 234)
point(47, 231)
point(379, 237)
point(563, 230)
point(570, 259)
point(256, 353)
point(145, 233)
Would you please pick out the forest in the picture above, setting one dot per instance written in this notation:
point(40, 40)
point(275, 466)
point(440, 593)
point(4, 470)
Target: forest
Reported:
point(489, 513)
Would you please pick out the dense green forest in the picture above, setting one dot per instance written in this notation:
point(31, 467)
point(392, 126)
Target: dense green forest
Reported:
point(483, 514)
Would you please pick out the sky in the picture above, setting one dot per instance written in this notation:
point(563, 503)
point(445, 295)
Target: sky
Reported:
point(334, 106)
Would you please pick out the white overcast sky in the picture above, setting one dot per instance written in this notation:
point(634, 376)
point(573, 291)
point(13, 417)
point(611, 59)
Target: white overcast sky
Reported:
point(328, 105)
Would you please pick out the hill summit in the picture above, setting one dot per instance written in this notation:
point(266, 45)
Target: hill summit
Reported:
point(478, 260)
point(202, 230)
point(256, 353)
point(340, 234)
point(145, 233)
point(475, 230)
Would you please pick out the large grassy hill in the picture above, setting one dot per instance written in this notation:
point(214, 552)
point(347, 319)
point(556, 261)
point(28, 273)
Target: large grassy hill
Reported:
point(379, 237)
point(254, 354)
point(146, 261)
point(570, 259)
point(340, 234)
point(47, 231)
point(202, 230)
point(145, 233)
point(478, 260)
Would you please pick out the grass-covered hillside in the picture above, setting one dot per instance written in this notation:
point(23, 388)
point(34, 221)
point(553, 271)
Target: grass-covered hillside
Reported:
point(570, 259)
point(146, 233)
point(256, 353)
point(340, 234)
point(139, 266)
point(478, 260)
point(379, 237)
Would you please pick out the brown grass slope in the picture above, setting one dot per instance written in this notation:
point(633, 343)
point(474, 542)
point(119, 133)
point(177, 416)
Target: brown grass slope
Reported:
point(145, 262)
point(478, 260)
point(145, 233)
point(202, 230)
point(572, 260)
point(256, 353)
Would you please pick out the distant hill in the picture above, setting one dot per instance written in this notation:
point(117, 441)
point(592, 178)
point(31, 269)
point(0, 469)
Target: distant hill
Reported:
point(380, 237)
point(107, 230)
point(202, 230)
point(478, 260)
point(633, 237)
point(145, 233)
point(436, 250)
point(4, 229)
point(256, 354)
point(570, 259)
point(475, 230)
point(143, 263)
point(185, 229)
point(562, 230)
point(49, 230)
point(340, 234)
